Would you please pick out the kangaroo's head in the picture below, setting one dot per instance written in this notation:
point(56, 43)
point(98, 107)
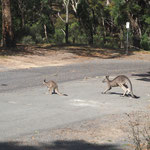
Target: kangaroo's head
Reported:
point(44, 81)
point(106, 79)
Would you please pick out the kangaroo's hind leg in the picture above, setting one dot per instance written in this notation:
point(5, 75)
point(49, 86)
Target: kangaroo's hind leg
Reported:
point(50, 90)
point(125, 89)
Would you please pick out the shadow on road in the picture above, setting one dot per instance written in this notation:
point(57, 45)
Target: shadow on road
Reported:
point(143, 77)
point(59, 145)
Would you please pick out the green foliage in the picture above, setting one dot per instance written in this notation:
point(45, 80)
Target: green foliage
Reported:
point(74, 30)
point(86, 15)
point(147, 20)
point(27, 40)
point(98, 40)
point(145, 42)
point(58, 36)
point(118, 12)
point(93, 23)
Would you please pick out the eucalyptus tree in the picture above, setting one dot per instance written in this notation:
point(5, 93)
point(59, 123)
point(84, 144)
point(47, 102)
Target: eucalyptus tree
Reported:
point(86, 16)
point(34, 19)
point(66, 20)
point(7, 26)
point(74, 4)
point(135, 12)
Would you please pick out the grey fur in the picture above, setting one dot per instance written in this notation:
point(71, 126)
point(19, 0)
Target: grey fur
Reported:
point(122, 81)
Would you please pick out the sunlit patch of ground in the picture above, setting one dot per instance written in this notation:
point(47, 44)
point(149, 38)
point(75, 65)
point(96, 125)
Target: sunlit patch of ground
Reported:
point(59, 55)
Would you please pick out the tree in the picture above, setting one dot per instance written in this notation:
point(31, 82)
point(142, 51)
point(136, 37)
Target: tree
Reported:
point(99, 22)
point(86, 15)
point(74, 4)
point(136, 12)
point(66, 21)
point(7, 29)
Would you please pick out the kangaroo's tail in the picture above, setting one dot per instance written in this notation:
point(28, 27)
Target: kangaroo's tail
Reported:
point(134, 96)
point(56, 90)
point(131, 89)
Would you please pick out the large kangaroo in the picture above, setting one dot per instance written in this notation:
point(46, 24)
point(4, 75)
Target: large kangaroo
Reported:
point(122, 81)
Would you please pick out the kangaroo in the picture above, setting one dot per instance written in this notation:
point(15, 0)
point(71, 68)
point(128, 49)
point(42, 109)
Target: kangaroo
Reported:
point(122, 82)
point(53, 87)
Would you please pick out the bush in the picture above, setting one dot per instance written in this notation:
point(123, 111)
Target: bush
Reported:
point(139, 130)
point(98, 40)
point(39, 38)
point(111, 42)
point(59, 36)
point(33, 34)
point(76, 35)
point(27, 40)
point(145, 42)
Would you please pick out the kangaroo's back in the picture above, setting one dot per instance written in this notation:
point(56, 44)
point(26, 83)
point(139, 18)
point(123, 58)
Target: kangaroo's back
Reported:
point(121, 79)
point(50, 84)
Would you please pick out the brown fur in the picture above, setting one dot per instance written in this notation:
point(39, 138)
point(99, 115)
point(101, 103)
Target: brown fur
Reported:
point(53, 87)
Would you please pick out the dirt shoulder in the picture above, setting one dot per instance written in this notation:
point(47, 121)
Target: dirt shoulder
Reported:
point(52, 55)
point(113, 130)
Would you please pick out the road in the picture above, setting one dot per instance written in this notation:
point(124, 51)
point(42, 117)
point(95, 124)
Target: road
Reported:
point(26, 109)
point(25, 78)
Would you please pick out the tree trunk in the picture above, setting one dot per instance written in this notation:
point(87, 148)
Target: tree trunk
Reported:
point(45, 31)
point(22, 10)
point(90, 40)
point(7, 32)
point(67, 20)
point(136, 30)
point(66, 35)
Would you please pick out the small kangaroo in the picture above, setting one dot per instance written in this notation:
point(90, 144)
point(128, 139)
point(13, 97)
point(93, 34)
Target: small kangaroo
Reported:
point(53, 87)
point(122, 82)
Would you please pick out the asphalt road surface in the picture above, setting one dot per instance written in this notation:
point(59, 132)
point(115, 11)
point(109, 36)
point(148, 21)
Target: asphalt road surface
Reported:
point(25, 78)
point(25, 108)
